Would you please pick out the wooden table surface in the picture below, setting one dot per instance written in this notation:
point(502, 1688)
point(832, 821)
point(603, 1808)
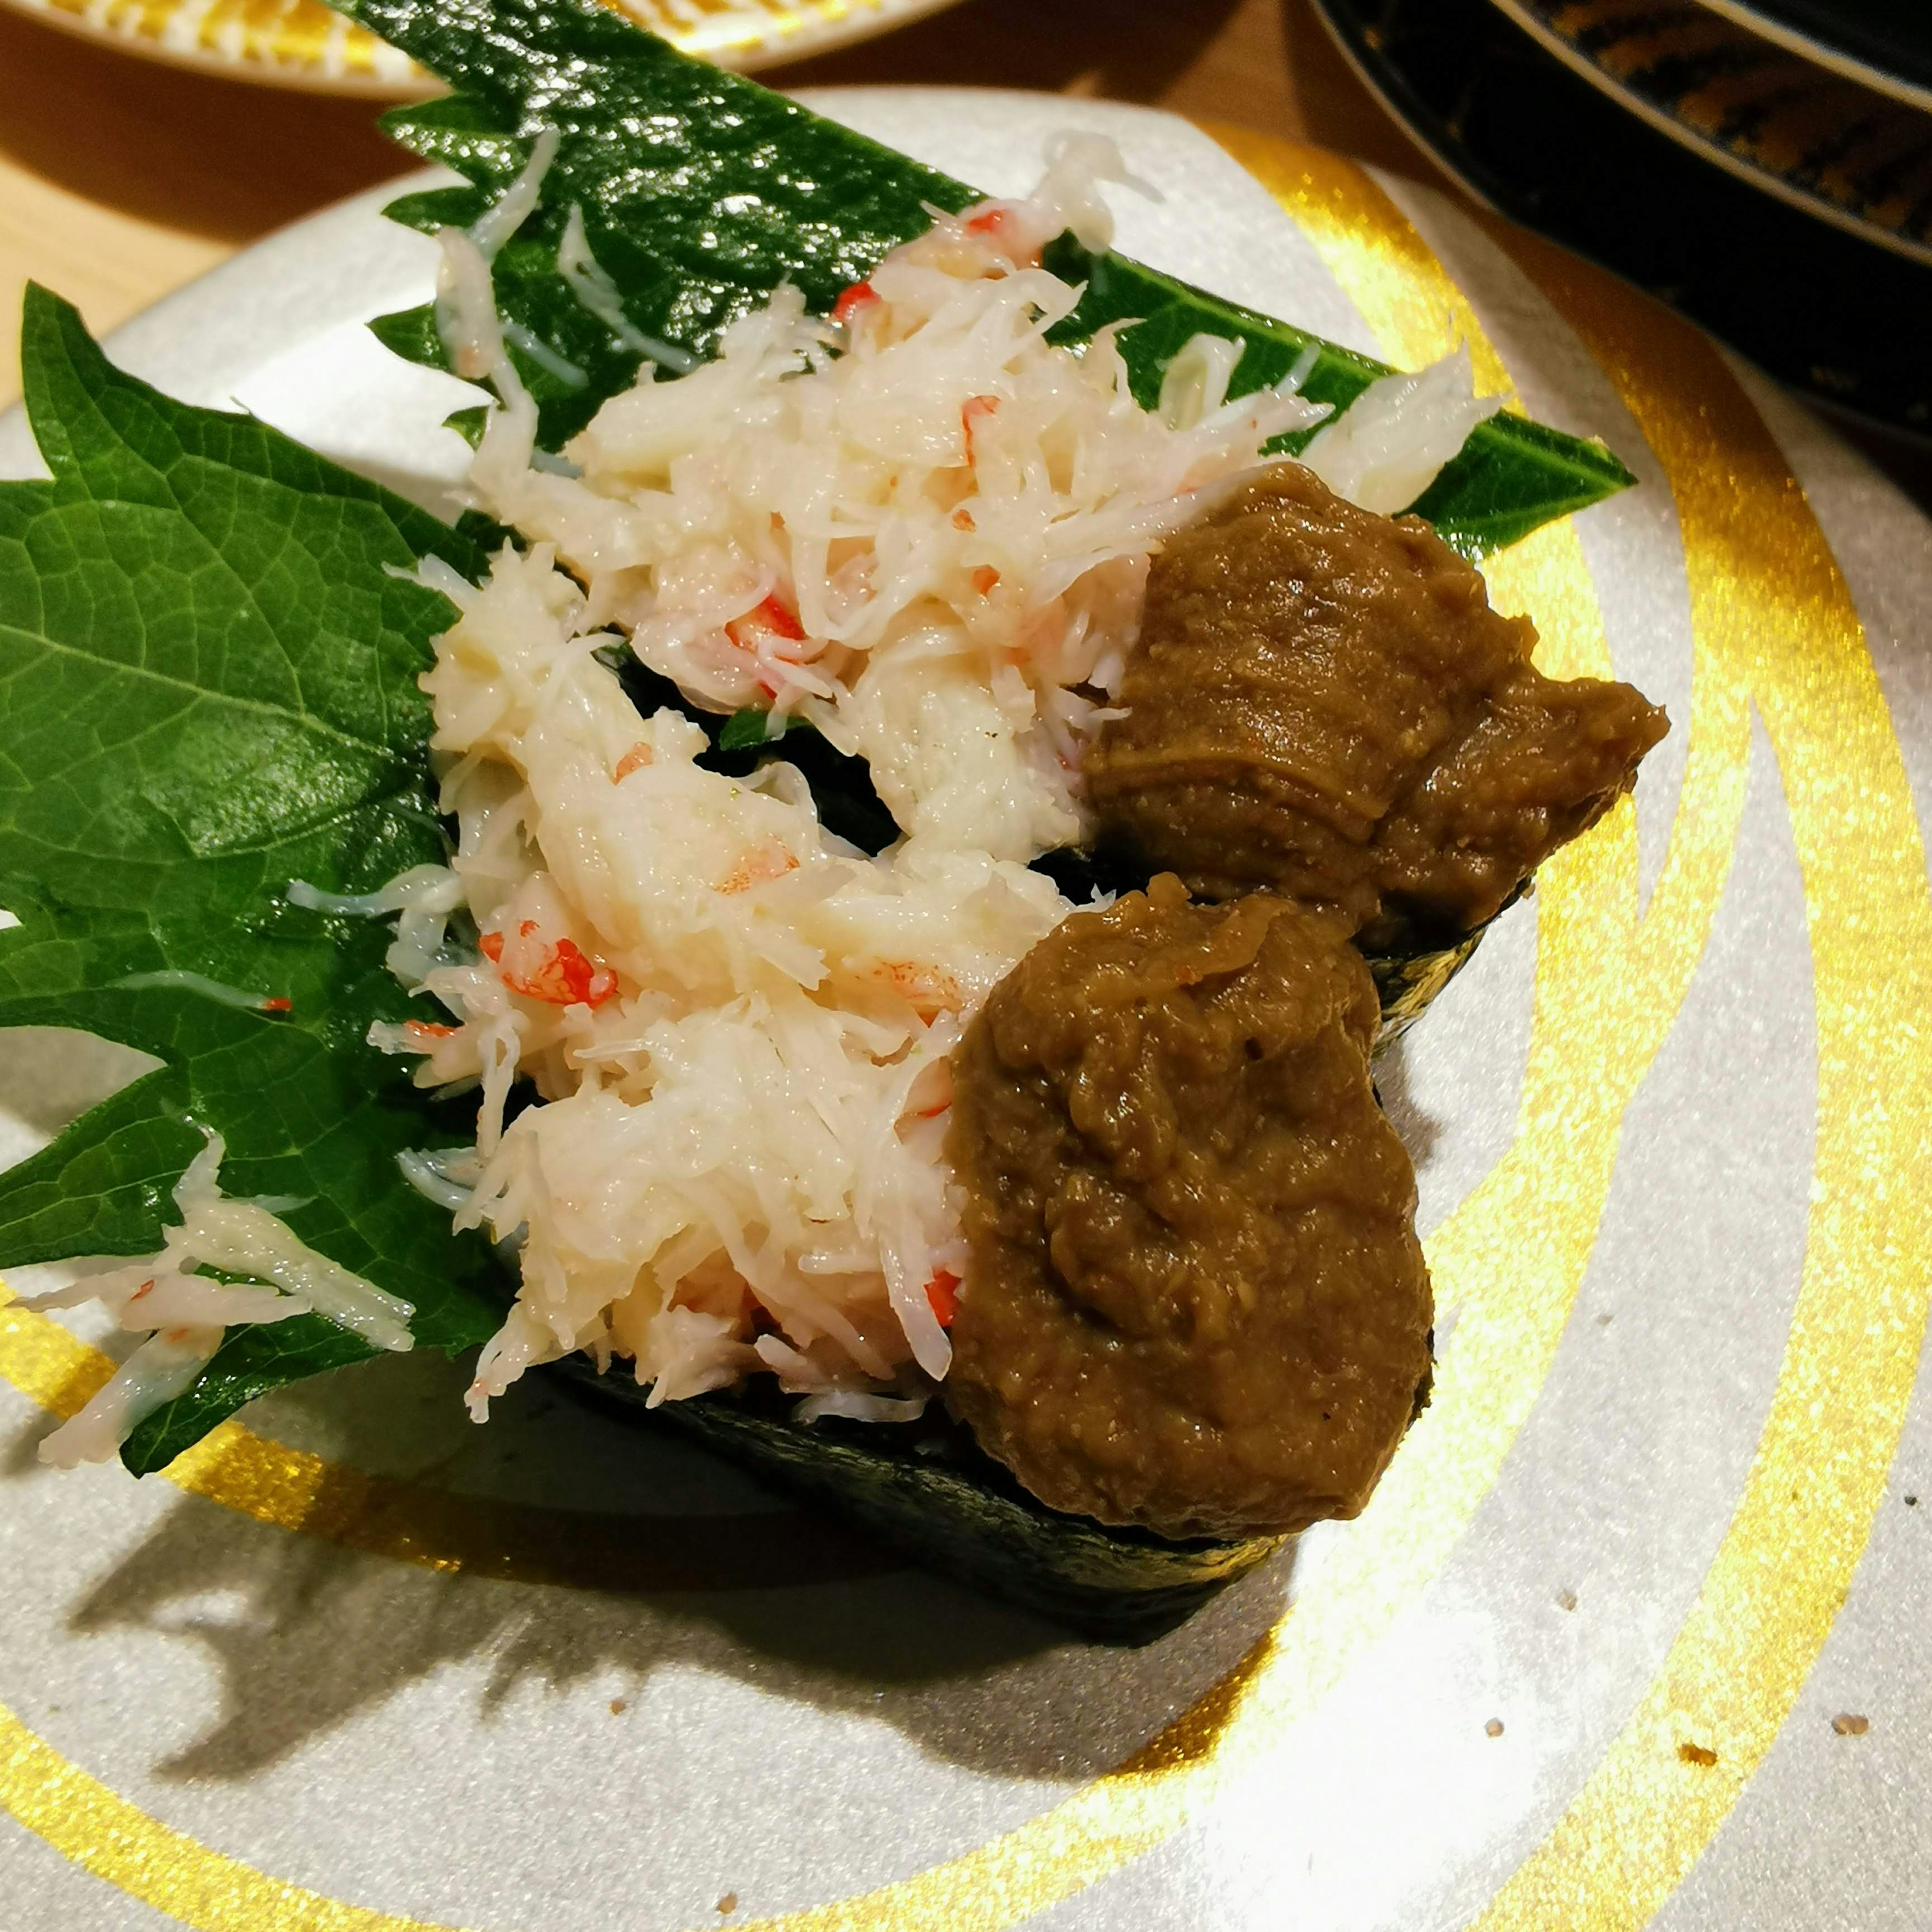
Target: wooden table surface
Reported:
point(121, 178)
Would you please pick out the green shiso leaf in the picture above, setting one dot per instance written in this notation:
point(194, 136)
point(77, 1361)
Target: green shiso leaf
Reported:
point(210, 669)
point(701, 191)
point(746, 730)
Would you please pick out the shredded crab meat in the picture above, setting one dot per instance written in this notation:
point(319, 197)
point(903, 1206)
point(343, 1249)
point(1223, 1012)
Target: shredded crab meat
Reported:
point(920, 526)
point(163, 1367)
point(185, 1313)
point(737, 1027)
point(1393, 441)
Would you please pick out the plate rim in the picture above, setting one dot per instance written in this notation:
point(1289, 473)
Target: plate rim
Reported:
point(290, 78)
point(1456, 163)
point(1796, 40)
point(806, 37)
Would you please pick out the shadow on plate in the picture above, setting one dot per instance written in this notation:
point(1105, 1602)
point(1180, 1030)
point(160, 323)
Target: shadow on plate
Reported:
point(306, 1634)
point(1419, 1129)
point(428, 1542)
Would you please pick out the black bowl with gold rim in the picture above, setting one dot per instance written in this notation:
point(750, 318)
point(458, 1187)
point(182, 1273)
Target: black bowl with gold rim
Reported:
point(1886, 44)
point(1826, 311)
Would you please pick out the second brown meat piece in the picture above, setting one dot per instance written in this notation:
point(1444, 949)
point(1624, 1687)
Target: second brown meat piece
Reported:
point(1323, 703)
point(1194, 1300)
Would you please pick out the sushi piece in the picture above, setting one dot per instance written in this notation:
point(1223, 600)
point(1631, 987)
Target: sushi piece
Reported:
point(829, 493)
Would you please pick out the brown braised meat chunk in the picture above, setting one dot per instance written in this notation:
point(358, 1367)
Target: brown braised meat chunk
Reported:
point(1195, 1300)
point(1323, 702)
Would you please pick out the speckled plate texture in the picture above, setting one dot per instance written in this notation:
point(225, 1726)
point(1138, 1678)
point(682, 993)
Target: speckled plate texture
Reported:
point(304, 44)
point(1633, 1631)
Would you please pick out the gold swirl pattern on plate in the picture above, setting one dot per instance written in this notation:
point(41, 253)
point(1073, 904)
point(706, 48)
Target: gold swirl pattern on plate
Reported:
point(1610, 978)
point(1760, 566)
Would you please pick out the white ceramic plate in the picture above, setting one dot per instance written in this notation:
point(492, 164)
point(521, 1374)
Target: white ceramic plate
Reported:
point(305, 44)
point(359, 1666)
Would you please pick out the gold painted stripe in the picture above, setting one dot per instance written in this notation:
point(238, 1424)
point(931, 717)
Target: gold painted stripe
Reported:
point(406, 1523)
point(103, 1833)
point(1759, 563)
